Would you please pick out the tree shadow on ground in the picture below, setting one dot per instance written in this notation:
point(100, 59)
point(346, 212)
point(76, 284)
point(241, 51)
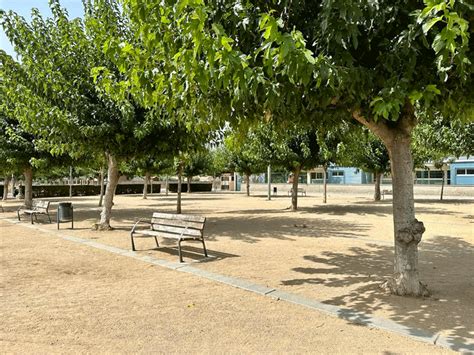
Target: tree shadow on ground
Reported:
point(446, 265)
point(379, 208)
point(253, 228)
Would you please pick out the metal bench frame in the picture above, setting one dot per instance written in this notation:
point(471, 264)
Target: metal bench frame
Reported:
point(181, 227)
point(300, 190)
point(38, 207)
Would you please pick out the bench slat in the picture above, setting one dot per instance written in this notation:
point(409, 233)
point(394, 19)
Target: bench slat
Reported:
point(176, 230)
point(180, 217)
point(177, 223)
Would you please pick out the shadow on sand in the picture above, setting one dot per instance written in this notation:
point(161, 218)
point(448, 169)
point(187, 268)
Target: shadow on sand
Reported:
point(446, 265)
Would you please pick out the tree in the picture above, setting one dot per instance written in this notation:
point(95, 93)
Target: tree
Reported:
point(439, 141)
point(378, 63)
point(245, 157)
point(195, 164)
point(293, 148)
point(55, 96)
point(367, 152)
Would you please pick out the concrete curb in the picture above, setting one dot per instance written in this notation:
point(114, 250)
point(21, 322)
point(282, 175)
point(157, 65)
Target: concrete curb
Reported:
point(351, 316)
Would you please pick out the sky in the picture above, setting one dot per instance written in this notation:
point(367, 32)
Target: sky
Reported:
point(23, 8)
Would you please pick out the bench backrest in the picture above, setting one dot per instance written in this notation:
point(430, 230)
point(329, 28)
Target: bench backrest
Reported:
point(41, 205)
point(177, 224)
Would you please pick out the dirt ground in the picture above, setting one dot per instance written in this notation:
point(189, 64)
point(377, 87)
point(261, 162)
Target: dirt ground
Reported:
point(58, 296)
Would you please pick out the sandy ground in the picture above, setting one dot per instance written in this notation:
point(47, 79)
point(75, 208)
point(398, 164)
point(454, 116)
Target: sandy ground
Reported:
point(58, 296)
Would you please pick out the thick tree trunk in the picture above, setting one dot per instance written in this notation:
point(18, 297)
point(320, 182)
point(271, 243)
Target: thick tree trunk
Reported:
point(102, 187)
point(247, 182)
point(180, 180)
point(408, 230)
point(325, 183)
point(378, 179)
point(28, 173)
point(145, 185)
point(6, 183)
point(112, 181)
point(189, 184)
point(294, 192)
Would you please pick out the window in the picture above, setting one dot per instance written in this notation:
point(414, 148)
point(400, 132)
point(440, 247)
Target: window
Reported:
point(319, 176)
point(465, 171)
point(436, 174)
point(338, 173)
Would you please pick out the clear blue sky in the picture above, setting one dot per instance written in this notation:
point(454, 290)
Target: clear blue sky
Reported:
point(23, 8)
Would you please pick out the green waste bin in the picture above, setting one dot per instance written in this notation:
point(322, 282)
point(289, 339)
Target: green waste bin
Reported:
point(65, 213)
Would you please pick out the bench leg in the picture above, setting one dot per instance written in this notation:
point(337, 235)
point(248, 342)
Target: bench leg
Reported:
point(49, 218)
point(18, 214)
point(156, 241)
point(32, 218)
point(204, 247)
point(133, 244)
point(179, 251)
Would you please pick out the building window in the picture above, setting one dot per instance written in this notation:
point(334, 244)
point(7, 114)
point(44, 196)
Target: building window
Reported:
point(464, 171)
point(338, 173)
point(319, 176)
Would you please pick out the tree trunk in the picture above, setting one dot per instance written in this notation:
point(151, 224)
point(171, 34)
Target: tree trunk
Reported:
point(167, 186)
point(294, 192)
point(325, 183)
point(180, 178)
point(408, 230)
point(6, 182)
point(378, 179)
point(189, 184)
point(28, 173)
point(247, 182)
point(269, 176)
point(70, 181)
point(445, 176)
point(145, 185)
point(112, 181)
point(101, 182)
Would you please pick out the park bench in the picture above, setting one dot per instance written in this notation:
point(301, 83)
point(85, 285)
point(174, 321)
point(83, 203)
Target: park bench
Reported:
point(300, 190)
point(38, 207)
point(174, 226)
point(386, 192)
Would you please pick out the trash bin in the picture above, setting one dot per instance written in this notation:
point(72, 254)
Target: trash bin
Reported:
point(65, 213)
point(275, 190)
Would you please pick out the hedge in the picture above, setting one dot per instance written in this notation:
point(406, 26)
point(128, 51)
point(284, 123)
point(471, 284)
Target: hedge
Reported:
point(86, 190)
point(195, 187)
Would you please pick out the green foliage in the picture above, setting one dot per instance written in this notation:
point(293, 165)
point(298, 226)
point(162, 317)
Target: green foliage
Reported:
point(364, 150)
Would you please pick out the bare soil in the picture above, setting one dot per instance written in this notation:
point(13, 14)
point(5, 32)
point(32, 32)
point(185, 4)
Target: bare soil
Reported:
point(58, 296)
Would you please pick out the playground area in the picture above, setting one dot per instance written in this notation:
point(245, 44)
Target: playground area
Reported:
point(61, 296)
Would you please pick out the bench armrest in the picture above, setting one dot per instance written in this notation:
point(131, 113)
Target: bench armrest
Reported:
point(140, 220)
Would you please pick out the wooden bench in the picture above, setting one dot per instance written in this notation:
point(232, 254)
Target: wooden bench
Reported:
point(38, 207)
point(300, 190)
point(175, 226)
point(386, 192)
